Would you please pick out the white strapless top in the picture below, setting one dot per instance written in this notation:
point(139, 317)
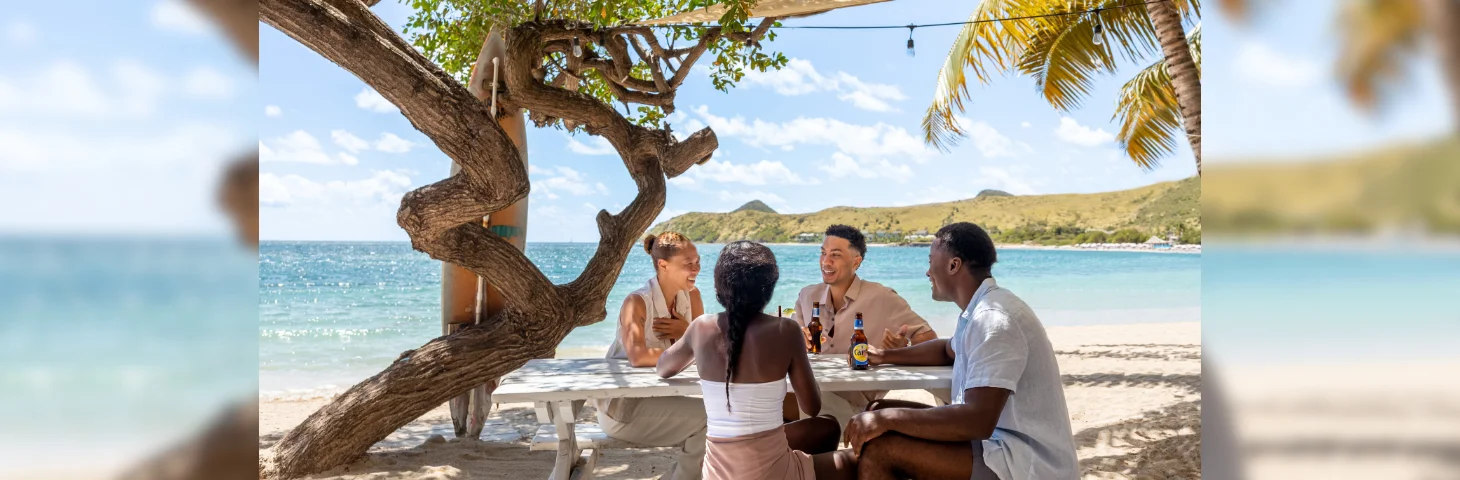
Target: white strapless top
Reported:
point(756, 407)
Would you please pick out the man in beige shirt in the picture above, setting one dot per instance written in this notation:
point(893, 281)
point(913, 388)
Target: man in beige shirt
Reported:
point(887, 320)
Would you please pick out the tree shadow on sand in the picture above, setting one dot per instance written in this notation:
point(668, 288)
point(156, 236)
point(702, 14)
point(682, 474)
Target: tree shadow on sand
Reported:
point(1164, 444)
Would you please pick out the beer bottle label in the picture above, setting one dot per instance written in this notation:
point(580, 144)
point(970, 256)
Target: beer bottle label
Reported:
point(859, 353)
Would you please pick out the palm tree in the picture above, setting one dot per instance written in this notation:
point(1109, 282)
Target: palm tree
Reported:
point(1053, 41)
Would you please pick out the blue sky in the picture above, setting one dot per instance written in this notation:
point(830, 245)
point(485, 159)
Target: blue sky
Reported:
point(839, 126)
point(128, 134)
point(116, 117)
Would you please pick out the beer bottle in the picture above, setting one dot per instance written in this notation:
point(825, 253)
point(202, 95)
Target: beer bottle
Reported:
point(859, 346)
point(815, 327)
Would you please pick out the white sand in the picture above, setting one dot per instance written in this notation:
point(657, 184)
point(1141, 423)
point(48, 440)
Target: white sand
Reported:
point(1381, 418)
point(1133, 393)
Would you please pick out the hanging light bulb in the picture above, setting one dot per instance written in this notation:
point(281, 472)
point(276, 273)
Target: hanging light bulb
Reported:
point(910, 51)
point(577, 47)
point(1099, 36)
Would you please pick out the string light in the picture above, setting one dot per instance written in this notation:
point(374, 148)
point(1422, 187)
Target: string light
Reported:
point(948, 24)
point(577, 47)
point(910, 52)
point(1099, 36)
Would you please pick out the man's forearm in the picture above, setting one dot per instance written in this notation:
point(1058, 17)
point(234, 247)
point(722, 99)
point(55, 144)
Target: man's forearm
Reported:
point(926, 353)
point(952, 423)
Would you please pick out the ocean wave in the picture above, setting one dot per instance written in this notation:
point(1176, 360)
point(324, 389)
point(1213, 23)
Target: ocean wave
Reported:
point(301, 394)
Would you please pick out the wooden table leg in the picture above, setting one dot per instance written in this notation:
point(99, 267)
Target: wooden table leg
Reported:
point(564, 418)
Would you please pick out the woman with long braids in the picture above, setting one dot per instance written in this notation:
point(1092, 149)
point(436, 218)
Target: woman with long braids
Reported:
point(744, 358)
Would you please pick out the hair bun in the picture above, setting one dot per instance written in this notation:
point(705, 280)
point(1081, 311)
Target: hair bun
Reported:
point(649, 243)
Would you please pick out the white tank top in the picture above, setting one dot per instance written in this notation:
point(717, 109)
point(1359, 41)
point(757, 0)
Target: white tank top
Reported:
point(756, 407)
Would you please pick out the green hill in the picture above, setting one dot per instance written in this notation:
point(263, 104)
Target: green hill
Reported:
point(1395, 187)
point(1043, 219)
point(755, 206)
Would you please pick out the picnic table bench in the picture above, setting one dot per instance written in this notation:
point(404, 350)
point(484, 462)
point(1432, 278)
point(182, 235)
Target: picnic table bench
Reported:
point(559, 387)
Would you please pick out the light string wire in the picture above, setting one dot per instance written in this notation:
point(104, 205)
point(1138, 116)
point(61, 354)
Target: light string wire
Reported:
point(947, 24)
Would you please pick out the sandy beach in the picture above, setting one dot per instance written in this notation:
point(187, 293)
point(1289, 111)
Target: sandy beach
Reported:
point(1134, 393)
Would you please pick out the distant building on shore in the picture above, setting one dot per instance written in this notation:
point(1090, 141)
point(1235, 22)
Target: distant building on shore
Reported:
point(920, 236)
point(808, 237)
point(1157, 243)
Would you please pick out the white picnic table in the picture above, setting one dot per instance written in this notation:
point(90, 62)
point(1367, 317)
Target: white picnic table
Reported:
point(558, 388)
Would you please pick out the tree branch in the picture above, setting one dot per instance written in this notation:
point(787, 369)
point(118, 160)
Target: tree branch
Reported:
point(348, 34)
point(693, 150)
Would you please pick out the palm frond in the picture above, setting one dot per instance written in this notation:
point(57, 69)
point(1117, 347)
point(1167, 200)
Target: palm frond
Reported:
point(1150, 118)
point(986, 49)
point(1379, 39)
point(1149, 115)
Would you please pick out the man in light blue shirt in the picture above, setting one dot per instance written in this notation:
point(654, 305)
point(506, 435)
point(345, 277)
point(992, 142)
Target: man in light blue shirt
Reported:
point(1008, 418)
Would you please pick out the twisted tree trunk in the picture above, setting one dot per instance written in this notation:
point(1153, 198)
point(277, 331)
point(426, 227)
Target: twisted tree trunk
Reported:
point(1185, 79)
point(1444, 23)
point(444, 219)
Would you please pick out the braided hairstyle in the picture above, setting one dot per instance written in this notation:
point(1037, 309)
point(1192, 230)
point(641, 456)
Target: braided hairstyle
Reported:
point(745, 278)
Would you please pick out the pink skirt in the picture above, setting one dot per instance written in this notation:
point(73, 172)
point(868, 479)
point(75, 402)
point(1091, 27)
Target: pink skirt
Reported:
point(760, 456)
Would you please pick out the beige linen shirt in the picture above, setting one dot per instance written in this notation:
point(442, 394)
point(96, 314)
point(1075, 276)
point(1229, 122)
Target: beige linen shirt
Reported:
point(881, 309)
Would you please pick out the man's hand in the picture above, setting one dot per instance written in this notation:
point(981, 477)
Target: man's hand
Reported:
point(863, 428)
point(895, 340)
point(670, 328)
point(874, 355)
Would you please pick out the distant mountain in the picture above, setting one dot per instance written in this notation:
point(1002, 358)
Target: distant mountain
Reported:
point(1168, 207)
point(1395, 187)
point(755, 206)
point(993, 193)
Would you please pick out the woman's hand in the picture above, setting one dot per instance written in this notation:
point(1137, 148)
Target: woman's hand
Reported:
point(670, 329)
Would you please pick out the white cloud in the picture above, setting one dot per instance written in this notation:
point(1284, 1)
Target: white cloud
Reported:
point(67, 89)
point(349, 141)
point(1006, 180)
point(799, 77)
point(842, 166)
point(687, 183)
point(743, 196)
point(180, 17)
point(371, 100)
point(563, 180)
point(1260, 64)
point(206, 82)
point(668, 213)
point(868, 96)
point(390, 143)
point(1072, 132)
point(383, 187)
point(760, 173)
point(595, 146)
point(865, 142)
point(24, 149)
point(1025, 124)
point(273, 111)
point(989, 141)
point(301, 147)
point(934, 194)
point(20, 33)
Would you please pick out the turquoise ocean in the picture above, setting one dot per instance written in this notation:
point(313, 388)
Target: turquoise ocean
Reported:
point(333, 313)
